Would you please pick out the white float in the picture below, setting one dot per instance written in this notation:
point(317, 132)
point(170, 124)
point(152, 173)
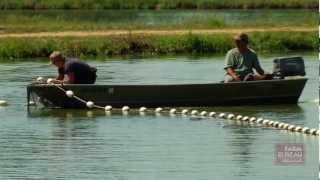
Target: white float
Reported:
point(212, 114)
point(298, 129)
point(259, 120)
point(125, 108)
point(39, 79)
point(203, 113)
point(142, 109)
point(276, 124)
point(305, 130)
point(90, 104)
point(313, 131)
point(50, 81)
point(291, 127)
point(108, 108)
point(246, 118)
point(173, 111)
point(265, 122)
point(194, 112)
point(185, 111)
point(69, 93)
point(230, 116)
point(270, 123)
point(285, 126)
point(239, 117)
point(281, 125)
point(222, 115)
point(158, 110)
point(32, 103)
point(252, 119)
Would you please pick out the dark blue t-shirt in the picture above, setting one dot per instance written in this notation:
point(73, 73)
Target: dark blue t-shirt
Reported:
point(83, 73)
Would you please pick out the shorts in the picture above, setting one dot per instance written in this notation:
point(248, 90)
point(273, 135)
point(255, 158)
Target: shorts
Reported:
point(248, 77)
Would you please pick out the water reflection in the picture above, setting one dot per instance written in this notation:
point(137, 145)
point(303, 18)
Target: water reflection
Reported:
point(292, 112)
point(242, 145)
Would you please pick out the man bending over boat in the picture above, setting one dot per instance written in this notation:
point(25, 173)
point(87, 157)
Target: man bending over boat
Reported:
point(72, 71)
point(241, 61)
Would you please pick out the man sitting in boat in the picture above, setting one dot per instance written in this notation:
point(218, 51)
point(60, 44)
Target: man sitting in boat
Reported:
point(241, 61)
point(76, 72)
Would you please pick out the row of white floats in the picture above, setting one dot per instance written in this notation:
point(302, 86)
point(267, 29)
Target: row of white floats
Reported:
point(261, 121)
point(266, 122)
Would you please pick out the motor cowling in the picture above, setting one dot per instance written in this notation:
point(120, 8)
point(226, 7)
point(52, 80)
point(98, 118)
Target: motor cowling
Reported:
point(288, 66)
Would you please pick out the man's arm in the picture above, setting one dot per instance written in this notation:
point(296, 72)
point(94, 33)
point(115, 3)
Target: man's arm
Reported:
point(60, 77)
point(71, 78)
point(68, 80)
point(257, 67)
point(231, 73)
point(228, 66)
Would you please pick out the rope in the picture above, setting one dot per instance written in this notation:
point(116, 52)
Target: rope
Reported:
point(59, 86)
point(202, 114)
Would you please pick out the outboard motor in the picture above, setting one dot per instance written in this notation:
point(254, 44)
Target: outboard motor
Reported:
point(288, 66)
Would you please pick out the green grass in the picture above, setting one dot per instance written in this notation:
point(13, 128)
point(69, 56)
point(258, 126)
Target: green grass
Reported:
point(153, 45)
point(88, 20)
point(21, 24)
point(156, 4)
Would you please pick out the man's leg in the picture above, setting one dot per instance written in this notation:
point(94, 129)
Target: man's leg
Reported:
point(228, 78)
point(258, 77)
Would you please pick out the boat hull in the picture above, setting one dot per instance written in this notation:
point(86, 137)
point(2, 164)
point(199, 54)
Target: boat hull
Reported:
point(286, 91)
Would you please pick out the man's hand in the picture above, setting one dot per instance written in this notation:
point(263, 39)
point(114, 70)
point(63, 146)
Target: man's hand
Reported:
point(236, 78)
point(55, 81)
point(231, 73)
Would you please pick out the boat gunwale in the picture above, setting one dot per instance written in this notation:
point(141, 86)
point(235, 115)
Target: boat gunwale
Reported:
point(163, 85)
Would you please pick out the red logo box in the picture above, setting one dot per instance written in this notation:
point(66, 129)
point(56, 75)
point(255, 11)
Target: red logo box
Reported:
point(289, 154)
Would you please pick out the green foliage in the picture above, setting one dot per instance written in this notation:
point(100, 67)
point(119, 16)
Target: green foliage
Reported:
point(89, 20)
point(56, 20)
point(156, 4)
point(153, 45)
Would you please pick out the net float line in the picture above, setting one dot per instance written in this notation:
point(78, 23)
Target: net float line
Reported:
point(193, 113)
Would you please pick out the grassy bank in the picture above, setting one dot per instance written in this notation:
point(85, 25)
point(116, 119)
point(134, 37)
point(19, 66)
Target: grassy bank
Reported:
point(156, 4)
point(87, 20)
point(153, 45)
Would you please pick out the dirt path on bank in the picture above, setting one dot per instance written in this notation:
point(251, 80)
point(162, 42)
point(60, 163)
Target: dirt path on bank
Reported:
point(152, 32)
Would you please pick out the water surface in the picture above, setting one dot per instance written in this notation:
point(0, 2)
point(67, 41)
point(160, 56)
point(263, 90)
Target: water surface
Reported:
point(80, 144)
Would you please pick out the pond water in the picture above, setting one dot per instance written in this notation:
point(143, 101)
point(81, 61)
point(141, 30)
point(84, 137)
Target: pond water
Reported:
point(81, 144)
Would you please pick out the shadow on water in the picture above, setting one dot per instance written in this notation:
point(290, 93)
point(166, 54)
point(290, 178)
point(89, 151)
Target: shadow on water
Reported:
point(278, 112)
point(64, 114)
point(283, 111)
